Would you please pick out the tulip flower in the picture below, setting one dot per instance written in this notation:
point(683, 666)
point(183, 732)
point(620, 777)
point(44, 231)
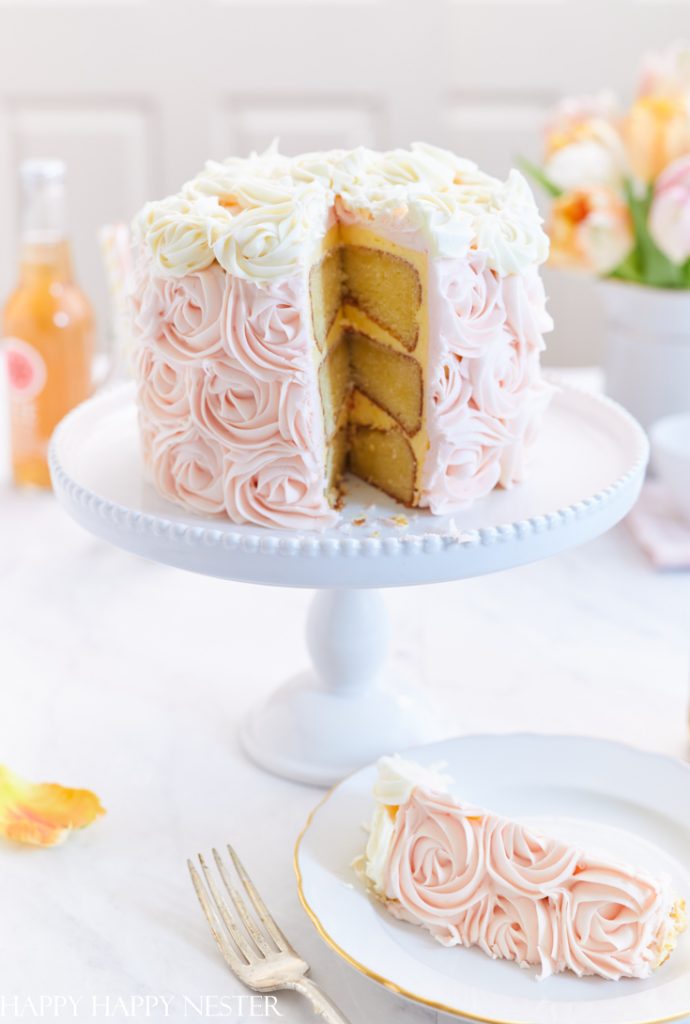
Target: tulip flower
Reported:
point(657, 132)
point(669, 215)
point(595, 156)
point(590, 229)
point(666, 72)
point(569, 120)
point(583, 145)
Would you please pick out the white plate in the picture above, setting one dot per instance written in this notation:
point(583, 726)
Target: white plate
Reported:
point(601, 794)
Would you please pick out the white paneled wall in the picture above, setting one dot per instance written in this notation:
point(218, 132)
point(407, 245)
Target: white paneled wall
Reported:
point(136, 94)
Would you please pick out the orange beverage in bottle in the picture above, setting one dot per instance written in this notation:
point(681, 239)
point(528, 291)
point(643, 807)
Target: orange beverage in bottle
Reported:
point(47, 325)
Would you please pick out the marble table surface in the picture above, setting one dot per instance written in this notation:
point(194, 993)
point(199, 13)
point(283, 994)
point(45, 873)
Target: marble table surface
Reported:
point(130, 678)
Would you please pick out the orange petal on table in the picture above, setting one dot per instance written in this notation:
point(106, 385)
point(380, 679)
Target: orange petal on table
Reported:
point(43, 814)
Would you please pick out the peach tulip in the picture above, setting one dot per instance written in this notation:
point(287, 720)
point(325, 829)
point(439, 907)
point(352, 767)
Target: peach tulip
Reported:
point(657, 132)
point(582, 144)
point(590, 229)
point(572, 119)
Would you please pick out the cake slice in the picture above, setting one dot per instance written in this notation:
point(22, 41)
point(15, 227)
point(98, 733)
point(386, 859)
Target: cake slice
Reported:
point(472, 878)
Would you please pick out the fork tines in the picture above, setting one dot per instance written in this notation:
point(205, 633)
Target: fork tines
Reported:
point(240, 946)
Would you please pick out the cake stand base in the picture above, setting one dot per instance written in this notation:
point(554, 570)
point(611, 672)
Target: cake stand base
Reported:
point(345, 712)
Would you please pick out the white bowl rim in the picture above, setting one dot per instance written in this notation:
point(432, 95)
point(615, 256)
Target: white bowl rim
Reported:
point(671, 434)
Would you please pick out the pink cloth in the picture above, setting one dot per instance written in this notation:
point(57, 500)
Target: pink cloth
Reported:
point(659, 529)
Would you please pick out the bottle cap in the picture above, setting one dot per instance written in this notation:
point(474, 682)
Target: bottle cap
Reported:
point(39, 169)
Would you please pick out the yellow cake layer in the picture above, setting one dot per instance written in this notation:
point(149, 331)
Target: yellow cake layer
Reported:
point(389, 378)
point(385, 459)
point(386, 287)
point(336, 463)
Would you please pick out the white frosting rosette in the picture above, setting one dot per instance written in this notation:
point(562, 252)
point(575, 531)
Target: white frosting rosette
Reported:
point(258, 217)
point(178, 232)
point(273, 235)
point(510, 230)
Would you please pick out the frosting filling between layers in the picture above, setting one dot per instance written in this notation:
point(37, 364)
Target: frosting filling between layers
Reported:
point(473, 878)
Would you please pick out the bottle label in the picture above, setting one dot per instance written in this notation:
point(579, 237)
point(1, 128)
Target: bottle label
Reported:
point(26, 368)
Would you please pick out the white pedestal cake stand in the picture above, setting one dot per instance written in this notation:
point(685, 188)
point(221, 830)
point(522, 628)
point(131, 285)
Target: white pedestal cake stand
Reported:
point(586, 473)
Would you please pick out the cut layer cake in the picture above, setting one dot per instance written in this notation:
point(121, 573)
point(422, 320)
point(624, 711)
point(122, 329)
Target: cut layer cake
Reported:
point(296, 318)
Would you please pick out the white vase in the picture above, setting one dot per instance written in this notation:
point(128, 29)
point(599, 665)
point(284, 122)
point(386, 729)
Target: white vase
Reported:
point(647, 348)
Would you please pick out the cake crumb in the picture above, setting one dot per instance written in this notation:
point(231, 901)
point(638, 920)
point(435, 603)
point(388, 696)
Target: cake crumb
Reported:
point(359, 521)
point(398, 520)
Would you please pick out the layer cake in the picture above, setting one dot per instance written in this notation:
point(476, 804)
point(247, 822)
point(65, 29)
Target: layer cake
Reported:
point(296, 318)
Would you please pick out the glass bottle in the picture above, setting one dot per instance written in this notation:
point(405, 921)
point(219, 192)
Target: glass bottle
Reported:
point(47, 325)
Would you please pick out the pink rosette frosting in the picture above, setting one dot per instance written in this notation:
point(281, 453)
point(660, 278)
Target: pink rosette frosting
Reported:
point(180, 315)
point(188, 469)
point(501, 378)
point(436, 863)
point(263, 329)
point(516, 454)
point(163, 388)
point(520, 929)
point(148, 431)
point(228, 406)
point(487, 397)
point(465, 448)
point(471, 310)
point(524, 300)
point(465, 469)
point(611, 921)
point(245, 413)
point(473, 878)
point(524, 863)
point(278, 486)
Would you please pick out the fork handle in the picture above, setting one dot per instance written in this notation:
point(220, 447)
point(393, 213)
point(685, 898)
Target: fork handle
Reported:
point(326, 1010)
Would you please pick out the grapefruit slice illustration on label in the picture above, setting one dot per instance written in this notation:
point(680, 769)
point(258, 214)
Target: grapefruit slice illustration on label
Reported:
point(26, 369)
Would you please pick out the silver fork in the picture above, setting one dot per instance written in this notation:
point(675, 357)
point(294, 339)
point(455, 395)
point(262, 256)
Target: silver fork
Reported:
point(256, 951)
